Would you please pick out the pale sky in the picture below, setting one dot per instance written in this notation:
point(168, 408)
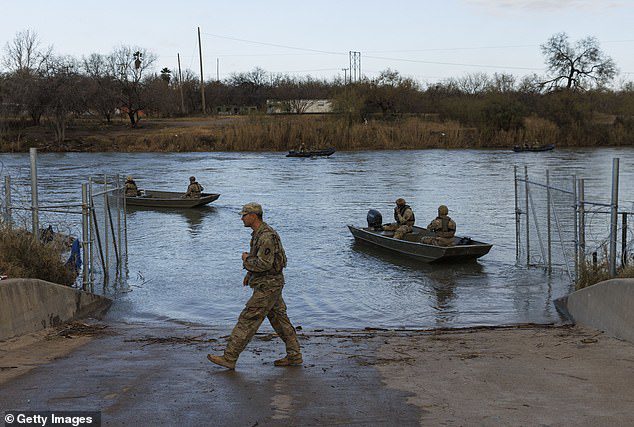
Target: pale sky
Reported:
point(426, 40)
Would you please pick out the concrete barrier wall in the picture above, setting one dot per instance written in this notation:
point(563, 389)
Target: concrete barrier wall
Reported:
point(28, 305)
point(607, 306)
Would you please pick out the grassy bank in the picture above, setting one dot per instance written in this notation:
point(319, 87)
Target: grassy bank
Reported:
point(591, 274)
point(281, 133)
point(21, 256)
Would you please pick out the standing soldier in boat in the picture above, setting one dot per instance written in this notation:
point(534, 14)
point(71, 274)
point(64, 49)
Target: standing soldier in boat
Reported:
point(443, 226)
point(194, 190)
point(131, 189)
point(264, 264)
point(404, 217)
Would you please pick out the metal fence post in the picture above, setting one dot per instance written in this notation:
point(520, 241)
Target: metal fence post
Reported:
point(624, 241)
point(118, 193)
point(34, 202)
point(614, 215)
point(7, 201)
point(92, 237)
point(548, 220)
point(105, 223)
point(85, 235)
point(517, 217)
point(528, 246)
point(582, 224)
point(576, 225)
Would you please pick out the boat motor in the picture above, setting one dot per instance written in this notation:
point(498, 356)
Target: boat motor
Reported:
point(375, 219)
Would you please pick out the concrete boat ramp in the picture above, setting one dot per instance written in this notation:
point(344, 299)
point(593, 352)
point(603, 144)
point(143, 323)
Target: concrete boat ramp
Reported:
point(156, 373)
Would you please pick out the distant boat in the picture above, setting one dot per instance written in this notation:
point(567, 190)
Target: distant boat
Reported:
point(313, 153)
point(169, 199)
point(522, 148)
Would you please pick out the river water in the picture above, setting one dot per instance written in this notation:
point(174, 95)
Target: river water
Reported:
point(185, 266)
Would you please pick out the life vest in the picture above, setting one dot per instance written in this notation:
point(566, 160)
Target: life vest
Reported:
point(401, 211)
point(445, 230)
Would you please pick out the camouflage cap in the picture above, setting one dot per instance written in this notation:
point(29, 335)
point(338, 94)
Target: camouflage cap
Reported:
point(192, 178)
point(400, 201)
point(128, 178)
point(252, 207)
point(443, 210)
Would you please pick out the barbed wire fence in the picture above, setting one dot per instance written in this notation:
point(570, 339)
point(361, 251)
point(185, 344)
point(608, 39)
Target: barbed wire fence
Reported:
point(98, 221)
point(558, 227)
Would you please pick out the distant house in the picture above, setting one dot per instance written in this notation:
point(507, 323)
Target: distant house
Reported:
point(232, 110)
point(299, 106)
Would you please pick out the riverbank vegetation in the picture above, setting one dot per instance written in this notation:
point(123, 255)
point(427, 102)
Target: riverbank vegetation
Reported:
point(117, 102)
point(591, 274)
point(23, 256)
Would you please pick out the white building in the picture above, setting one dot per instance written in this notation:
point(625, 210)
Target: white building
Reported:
point(299, 106)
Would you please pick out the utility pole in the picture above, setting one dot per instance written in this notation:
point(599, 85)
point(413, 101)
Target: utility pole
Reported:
point(202, 79)
point(180, 83)
point(217, 69)
point(345, 75)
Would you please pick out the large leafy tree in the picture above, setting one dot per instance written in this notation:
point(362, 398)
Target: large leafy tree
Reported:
point(580, 65)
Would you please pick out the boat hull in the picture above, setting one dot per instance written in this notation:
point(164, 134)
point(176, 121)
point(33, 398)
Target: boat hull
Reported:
point(323, 153)
point(169, 199)
point(520, 149)
point(412, 248)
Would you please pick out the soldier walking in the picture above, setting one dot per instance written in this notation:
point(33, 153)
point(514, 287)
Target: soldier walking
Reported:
point(264, 264)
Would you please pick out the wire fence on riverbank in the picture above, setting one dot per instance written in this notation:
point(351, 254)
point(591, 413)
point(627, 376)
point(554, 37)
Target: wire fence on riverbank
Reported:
point(558, 227)
point(97, 221)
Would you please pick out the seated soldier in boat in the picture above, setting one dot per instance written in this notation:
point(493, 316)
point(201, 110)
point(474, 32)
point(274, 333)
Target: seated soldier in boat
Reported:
point(194, 190)
point(131, 189)
point(302, 148)
point(404, 217)
point(443, 226)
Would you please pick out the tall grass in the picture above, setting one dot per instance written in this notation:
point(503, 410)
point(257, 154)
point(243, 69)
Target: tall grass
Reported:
point(281, 133)
point(591, 274)
point(21, 256)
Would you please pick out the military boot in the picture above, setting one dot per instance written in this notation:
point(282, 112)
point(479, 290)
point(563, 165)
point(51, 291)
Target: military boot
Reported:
point(220, 360)
point(289, 361)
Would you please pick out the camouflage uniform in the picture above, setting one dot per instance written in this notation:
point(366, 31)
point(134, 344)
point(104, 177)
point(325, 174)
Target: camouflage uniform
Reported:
point(264, 264)
point(131, 189)
point(194, 190)
point(404, 217)
point(444, 227)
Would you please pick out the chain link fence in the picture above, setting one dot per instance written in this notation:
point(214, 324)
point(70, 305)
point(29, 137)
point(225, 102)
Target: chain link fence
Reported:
point(557, 226)
point(96, 222)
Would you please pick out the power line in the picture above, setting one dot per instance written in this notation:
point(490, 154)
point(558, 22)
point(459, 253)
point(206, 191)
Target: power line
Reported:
point(453, 63)
point(275, 45)
point(436, 49)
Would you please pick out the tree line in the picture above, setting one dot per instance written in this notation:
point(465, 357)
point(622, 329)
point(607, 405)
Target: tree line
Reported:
point(36, 83)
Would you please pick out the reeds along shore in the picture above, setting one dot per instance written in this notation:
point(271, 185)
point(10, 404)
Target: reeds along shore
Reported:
point(23, 256)
point(282, 133)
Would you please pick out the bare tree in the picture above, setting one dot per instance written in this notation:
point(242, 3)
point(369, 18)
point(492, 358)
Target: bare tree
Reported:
point(27, 62)
point(65, 85)
point(473, 83)
point(129, 65)
point(502, 82)
point(102, 92)
point(24, 54)
point(581, 65)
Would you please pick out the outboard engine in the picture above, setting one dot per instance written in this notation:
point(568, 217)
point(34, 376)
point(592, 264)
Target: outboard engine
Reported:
point(375, 219)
